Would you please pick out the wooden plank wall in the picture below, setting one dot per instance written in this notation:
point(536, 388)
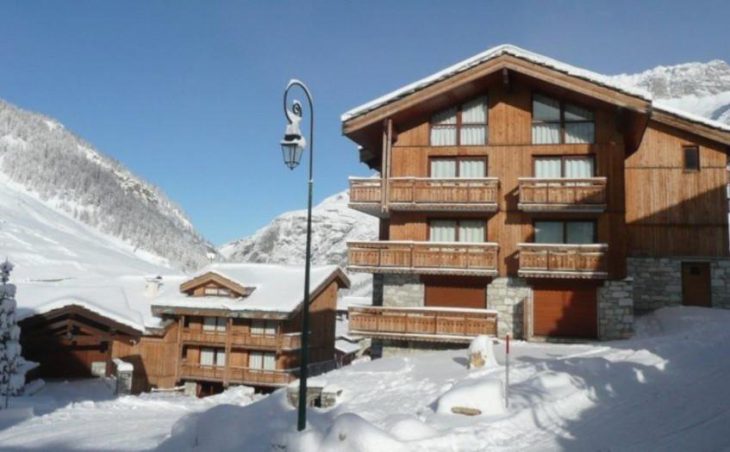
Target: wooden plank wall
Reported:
point(672, 212)
point(322, 324)
point(510, 154)
point(153, 359)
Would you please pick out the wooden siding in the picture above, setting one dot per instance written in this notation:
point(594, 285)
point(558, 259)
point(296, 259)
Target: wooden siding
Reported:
point(670, 211)
point(510, 157)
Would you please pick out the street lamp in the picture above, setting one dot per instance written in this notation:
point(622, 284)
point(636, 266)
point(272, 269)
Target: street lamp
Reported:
point(292, 147)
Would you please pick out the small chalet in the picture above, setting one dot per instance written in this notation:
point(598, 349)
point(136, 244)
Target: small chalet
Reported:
point(241, 324)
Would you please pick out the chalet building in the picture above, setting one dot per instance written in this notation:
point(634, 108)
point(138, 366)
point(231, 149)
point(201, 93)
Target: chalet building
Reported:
point(229, 324)
point(520, 195)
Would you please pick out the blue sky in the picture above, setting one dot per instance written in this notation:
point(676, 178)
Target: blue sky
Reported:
point(187, 94)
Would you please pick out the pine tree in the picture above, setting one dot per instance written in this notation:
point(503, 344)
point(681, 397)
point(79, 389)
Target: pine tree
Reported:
point(11, 380)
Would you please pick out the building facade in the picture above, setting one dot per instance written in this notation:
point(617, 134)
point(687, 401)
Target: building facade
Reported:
point(520, 195)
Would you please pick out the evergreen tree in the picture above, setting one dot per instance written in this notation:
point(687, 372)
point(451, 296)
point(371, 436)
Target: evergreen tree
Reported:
point(11, 379)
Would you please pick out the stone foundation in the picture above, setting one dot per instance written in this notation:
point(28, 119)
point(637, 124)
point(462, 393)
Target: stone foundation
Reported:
point(509, 296)
point(720, 281)
point(616, 309)
point(402, 291)
point(383, 348)
point(658, 282)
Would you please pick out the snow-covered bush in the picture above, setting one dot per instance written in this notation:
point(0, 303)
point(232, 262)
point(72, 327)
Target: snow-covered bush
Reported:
point(12, 379)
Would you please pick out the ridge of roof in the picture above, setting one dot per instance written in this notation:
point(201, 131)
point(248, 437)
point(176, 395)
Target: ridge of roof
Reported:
point(509, 49)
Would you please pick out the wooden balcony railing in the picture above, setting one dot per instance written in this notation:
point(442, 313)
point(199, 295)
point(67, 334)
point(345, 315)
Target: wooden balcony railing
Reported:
point(563, 260)
point(260, 376)
point(287, 341)
point(426, 194)
point(204, 372)
point(479, 259)
point(416, 193)
point(429, 324)
point(566, 195)
point(365, 191)
point(235, 374)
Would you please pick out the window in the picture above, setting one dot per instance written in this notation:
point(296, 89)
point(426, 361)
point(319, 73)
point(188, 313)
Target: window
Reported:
point(263, 327)
point(217, 324)
point(572, 232)
point(213, 357)
point(691, 158)
point(262, 360)
point(217, 291)
point(565, 167)
point(461, 167)
point(467, 231)
point(465, 125)
point(554, 122)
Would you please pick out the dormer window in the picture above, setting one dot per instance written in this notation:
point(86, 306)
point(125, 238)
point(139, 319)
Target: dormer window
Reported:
point(554, 122)
point(465, 125)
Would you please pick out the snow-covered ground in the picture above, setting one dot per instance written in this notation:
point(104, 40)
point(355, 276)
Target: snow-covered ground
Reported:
point(86, 415)
point(664, 389)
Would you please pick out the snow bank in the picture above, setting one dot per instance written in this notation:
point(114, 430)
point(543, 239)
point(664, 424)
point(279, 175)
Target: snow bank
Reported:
point(352, 433)
point(485, 395)
point(409, 428)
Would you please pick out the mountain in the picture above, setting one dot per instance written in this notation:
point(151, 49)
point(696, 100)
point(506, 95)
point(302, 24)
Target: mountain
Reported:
point(699, 88)
point(46, 244)
point(63, 171)
point(283, 240)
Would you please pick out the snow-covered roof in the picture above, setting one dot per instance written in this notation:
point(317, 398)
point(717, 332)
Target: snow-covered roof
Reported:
point(509, 49)
point(277, 288)
point(120, 299)
point(347, 347)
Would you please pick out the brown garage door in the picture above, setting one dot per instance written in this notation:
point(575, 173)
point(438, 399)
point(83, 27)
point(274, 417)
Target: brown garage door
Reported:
point(565, 311)
point(456, 292)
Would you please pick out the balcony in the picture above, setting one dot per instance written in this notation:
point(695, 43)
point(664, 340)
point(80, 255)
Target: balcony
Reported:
point(454, 325)
point(425, 258)
point(288, 341)
point(426, 194)
point(241, 375)
point(562, 195)
point(540, 260)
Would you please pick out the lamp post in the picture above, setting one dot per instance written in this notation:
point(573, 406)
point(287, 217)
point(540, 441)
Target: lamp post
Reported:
point(292, 147)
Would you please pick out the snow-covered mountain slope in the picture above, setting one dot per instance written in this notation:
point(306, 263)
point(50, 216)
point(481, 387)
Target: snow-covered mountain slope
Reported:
point(283, 240)
point(45, 244)
point(69, 174)
point(699, 88)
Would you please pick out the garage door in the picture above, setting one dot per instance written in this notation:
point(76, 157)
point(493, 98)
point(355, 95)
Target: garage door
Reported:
point(455, 292)
point(567, 311)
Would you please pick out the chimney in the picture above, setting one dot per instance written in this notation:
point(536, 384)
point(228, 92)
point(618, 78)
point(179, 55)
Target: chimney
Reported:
point(152, 286)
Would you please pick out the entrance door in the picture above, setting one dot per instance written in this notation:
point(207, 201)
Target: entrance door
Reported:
point(696, 284)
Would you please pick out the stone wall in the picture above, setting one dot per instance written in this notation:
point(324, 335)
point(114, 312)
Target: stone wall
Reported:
point(402, 291)
point(616, 309)
point(720, 280)
point(508, 296)
point(657, 282)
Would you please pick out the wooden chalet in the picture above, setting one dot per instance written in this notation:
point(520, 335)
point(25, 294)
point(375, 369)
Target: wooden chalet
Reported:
point(241, 324)
point(520, 195)
point(230, 324)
